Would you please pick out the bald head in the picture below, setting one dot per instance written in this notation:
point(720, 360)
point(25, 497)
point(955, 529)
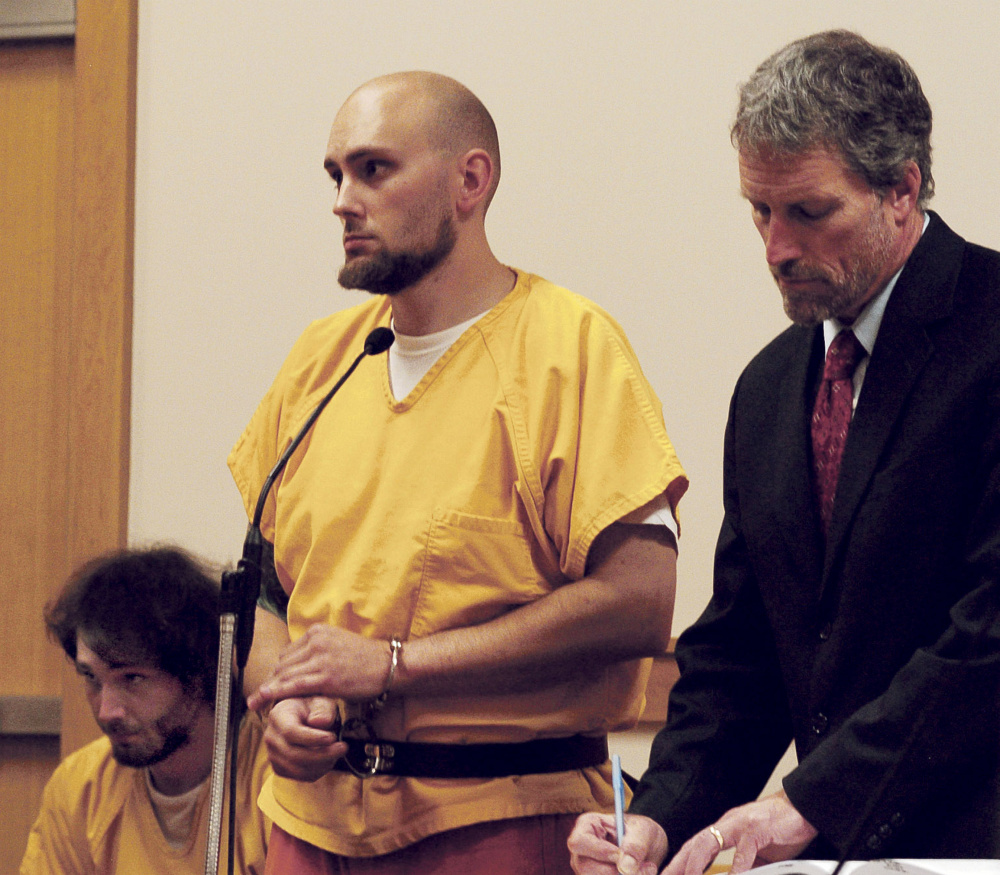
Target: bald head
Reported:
point(451, 118)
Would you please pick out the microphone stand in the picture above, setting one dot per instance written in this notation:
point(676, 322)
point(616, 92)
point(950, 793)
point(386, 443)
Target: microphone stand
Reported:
point(237, 604)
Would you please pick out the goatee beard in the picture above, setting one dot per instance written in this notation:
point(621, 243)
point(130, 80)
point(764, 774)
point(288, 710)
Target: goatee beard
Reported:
point(388, 273)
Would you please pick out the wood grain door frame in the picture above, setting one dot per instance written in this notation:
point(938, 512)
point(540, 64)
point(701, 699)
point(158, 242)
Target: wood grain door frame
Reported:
point(101, 303)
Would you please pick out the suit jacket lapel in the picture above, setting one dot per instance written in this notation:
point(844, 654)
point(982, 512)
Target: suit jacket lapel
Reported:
point(923, 294)
point(793, 492)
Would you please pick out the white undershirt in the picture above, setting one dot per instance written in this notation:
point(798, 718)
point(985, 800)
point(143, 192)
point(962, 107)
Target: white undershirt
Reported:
point(411, 357)
point(175, 814)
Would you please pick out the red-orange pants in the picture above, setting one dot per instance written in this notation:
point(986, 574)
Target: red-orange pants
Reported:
point(523, 846)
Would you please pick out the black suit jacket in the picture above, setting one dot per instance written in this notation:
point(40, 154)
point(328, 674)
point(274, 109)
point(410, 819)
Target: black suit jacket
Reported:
point(890, 627)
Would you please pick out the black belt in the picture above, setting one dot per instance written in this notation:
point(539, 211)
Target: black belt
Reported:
point(366, 758)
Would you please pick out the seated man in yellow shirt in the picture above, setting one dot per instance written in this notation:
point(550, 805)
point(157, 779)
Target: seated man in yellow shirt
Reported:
point(475, 539)
point(142, 628)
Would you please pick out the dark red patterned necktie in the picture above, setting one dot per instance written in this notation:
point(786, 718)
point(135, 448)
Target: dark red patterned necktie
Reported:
point(832, 416)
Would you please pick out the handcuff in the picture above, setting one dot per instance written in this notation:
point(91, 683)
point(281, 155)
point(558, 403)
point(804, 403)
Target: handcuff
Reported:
point(376, 753)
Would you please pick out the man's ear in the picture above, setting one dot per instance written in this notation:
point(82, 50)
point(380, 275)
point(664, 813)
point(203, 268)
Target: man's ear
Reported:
point(475, 169)
point(903, 197)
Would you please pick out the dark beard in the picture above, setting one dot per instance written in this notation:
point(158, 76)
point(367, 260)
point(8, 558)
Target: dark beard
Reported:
point(174, 738)
point(388, 273)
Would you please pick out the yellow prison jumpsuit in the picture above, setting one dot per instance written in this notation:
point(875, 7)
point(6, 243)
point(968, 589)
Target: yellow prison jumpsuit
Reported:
point(480, 491)
point(96, 817)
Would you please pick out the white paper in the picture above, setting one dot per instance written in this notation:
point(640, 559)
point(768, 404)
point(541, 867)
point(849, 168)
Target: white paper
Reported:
point(882, 867)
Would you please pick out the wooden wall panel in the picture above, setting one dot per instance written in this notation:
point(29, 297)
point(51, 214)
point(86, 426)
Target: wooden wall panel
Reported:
point(36, 206)
point(25, 766)
point(36, 157)
point(101, 304)
point(67, 147)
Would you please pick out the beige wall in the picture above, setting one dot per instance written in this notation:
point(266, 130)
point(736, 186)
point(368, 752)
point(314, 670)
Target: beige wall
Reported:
point(619, 182)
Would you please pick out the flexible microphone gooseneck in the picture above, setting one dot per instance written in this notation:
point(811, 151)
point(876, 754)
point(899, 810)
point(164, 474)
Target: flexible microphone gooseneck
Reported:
point(237, 603)
point(378, 341)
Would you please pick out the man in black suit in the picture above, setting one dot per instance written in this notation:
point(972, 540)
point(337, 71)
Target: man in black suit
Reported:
point(857, 577)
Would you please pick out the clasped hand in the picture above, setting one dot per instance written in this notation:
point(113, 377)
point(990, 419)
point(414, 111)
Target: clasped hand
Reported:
point(313, 672)
point(326, 661)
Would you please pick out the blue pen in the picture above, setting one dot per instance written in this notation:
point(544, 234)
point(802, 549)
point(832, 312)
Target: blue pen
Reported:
point(619, 790)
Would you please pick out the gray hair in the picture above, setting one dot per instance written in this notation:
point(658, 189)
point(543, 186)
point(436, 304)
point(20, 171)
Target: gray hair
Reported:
point(836, 89)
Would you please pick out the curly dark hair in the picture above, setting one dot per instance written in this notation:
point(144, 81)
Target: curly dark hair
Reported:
point(836, 89)
point(156, 606)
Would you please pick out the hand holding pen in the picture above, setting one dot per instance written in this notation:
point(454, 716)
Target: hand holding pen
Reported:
point(605, 844)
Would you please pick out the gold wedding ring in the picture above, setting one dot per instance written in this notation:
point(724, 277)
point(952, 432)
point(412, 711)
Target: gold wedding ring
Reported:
point(718, 837)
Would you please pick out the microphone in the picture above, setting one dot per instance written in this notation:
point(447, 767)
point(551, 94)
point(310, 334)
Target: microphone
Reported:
point(237, 603)
point(379, 340)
